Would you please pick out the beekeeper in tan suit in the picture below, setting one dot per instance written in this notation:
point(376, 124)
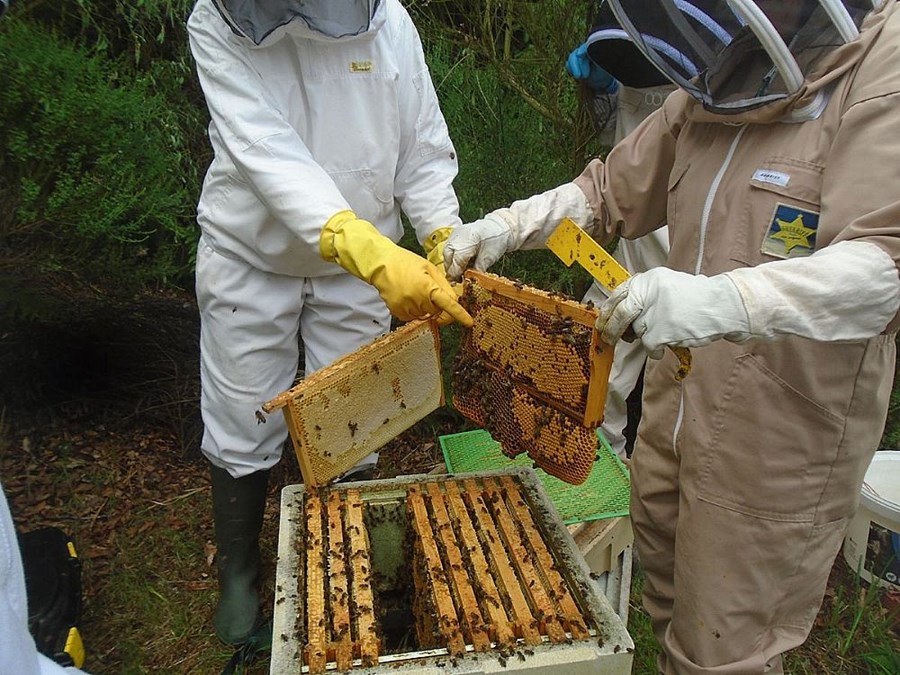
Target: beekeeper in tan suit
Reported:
point(776, 169)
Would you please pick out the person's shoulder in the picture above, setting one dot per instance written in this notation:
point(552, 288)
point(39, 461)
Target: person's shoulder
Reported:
point(200, 13)
point(398, 29)
point(205, 19)
point(208, 31)
point(396, 15)
point(878, 73)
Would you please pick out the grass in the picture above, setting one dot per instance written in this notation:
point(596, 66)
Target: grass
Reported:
point(854, 633)
point(139, 512)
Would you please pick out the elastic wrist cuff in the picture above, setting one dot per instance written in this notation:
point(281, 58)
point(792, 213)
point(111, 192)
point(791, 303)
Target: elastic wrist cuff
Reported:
point(437, 237)
point(326, 239)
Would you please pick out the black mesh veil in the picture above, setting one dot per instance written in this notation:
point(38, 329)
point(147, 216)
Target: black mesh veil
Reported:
point(611, 48)
point(258, 19)
point(736, 55)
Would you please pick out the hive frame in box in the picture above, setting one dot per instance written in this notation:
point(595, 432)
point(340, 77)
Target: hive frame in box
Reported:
point(605, 650)
point(339, 415)
point(533, 371)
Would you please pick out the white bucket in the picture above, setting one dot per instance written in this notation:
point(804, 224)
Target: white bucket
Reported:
point(872, 544)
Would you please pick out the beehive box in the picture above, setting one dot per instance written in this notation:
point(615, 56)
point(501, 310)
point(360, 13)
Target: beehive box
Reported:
point(342, 413)
point(533, 372)
point(431, 574)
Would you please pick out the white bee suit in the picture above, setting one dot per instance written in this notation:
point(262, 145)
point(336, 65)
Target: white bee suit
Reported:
point(18, 652)
point(303, 126)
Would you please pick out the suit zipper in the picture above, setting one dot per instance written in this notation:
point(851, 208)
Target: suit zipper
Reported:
point(704, 223)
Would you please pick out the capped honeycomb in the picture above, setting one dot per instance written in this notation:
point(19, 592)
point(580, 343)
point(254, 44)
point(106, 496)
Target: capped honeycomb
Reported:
point(533, 372)
point(339, 415)
point(478, 573)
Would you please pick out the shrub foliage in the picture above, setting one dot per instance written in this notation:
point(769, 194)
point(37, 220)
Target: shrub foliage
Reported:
point(96, 188)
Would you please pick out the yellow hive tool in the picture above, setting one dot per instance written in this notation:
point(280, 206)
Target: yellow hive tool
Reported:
point(572, 244)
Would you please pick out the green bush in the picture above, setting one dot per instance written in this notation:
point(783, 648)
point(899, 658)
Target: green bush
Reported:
point(506, 152)
point(92, 167)
point(136, 33)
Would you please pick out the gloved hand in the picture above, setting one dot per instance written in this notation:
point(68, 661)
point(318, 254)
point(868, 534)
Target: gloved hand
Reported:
point(434, 246)
point(525, 224)
point(664, 307)
point(581, 67)
point(410, 286)
point(485, 240)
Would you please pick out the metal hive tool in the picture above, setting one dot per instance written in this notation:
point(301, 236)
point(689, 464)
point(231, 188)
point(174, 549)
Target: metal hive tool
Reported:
point(533, 372)
point(342, 413)
point(486, 569)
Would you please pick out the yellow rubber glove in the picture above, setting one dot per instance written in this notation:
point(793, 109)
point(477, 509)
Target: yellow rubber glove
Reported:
point(410, 286)
point(434, 247)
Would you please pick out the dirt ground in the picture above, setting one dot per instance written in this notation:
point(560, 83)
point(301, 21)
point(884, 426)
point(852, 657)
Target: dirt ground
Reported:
point(99, 432)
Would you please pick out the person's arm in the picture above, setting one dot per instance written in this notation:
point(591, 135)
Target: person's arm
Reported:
point(264, 148)
point(847, 290)
point(851, 288)
point(624, 196)
point(427, 165)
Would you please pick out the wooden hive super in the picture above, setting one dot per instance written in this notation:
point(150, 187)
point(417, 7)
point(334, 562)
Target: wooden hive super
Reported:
point(533, 372)
point(426, 573)
point(342, 413)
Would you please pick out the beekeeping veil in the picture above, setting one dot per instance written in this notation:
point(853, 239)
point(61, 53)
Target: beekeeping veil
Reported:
point(265, 20)
point(738, 55)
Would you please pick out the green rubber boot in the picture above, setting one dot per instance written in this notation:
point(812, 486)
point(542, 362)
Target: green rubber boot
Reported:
point(238, 507)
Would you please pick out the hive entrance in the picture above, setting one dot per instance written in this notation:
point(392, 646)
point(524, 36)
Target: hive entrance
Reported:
point(533, 372)
point(438, 568)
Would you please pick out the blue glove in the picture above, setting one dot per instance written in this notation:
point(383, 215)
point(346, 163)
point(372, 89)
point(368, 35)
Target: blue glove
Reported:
point(580, 66)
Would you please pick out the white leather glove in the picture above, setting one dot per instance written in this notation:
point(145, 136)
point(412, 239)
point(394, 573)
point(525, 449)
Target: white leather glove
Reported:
point(525, 224)
point(846, 291)
point(486, 240)
point(664, 307)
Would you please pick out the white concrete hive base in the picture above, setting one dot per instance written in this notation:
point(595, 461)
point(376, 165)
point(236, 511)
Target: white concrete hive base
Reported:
point(342, 413)
point(473, 573)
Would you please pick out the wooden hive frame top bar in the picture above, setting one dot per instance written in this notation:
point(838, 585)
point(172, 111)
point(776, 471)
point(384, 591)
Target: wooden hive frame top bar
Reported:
point(485, 579)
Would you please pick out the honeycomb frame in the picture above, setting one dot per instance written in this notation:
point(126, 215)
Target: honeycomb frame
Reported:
point(342, 413)
point(533, 372)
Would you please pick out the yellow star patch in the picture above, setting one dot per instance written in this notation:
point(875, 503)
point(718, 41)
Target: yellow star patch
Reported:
point(794, 233)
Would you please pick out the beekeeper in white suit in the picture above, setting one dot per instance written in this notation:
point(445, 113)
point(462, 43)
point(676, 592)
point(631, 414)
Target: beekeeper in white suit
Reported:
point(775, 168)
point(324, 124)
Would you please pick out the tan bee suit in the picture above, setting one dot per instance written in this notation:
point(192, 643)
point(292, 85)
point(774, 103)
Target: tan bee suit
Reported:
point(746, 474)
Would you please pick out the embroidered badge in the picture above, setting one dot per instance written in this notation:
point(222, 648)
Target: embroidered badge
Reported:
point(361, 67)
point(792, 232)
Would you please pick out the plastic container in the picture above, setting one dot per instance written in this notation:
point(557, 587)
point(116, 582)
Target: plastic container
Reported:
point(872, 544)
